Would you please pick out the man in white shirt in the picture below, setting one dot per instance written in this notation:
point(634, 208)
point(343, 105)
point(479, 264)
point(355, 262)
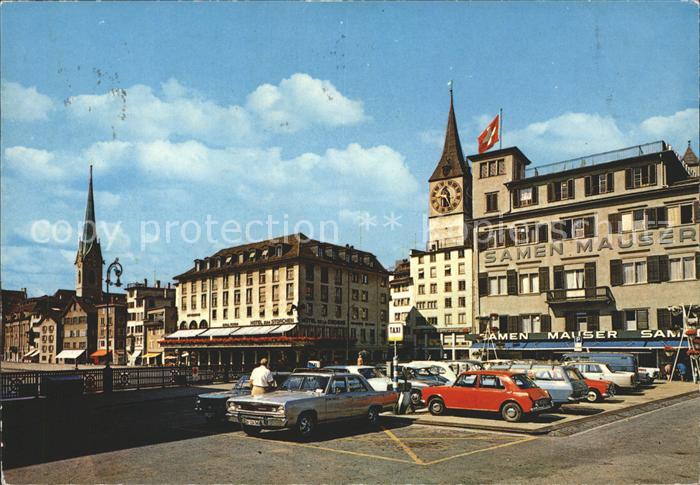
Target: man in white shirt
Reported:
point(261, 379)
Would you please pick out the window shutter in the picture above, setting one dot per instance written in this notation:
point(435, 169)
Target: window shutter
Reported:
point(617, 321)
point(482, 241)
point(697, 266)
point(516, 198)
point(550, 192)
point(509, 236)
point(615, 272)
point(662, 216)
point(589, 275)
point(570, 325)
point(535, 192)
point(512, 277)
point(589, 227)
point(544, 278)
point(628, 178)
point(543, 232)
point(558, 277)
point(513, 323)
point(642, 319)
point(593, 321)
point(588, 185)
point(614, 223)
point(572, 188)
point(545, 323)
point(653, 275)
point(483, 284)
point(663, 267)
point(557, 230)
point(503, 323)
point(611, 181)
point(652, 174)
point(663, 319)
point(567, 229)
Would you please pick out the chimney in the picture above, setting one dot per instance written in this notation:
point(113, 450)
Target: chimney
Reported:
point(168, 284)
point(145, 282)
point(157, 283)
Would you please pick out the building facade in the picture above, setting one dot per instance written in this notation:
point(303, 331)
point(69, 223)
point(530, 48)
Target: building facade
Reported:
point(291, 298)
point(160, 321)
point(442, 275)
point(140, 299)
point(593, 250)
point(112, 313)
point(79, 322)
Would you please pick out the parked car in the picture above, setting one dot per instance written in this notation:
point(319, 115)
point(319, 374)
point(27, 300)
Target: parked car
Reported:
point(308, 398)
point(496, 362)
point(599, 390)
point(459, 366)
point(565, 384)
point(513, 395)
point(420, 378)
point(374, 376)
point(617, 361)
point(441, 368)
point(212, 405)
point(601, 371)
point(652, 372)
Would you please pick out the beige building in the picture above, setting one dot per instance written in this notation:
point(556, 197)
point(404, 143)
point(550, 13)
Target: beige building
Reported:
point(79, 324)
point(442, 275)
point(114, 314)
point(593, 249)
point(140, 299)
point(160, 321)
point(291, 298)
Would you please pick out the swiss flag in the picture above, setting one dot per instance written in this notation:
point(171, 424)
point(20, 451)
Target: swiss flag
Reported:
point(490, 135)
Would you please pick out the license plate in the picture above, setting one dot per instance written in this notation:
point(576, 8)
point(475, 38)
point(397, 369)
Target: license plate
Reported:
point(252, 421)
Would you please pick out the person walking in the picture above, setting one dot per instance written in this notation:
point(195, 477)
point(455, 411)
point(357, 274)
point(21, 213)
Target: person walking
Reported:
point(681, 371)
point(261, 379)
point(360, 360)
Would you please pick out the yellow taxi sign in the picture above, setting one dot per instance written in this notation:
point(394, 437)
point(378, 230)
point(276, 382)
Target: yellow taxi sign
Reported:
point(394, 332)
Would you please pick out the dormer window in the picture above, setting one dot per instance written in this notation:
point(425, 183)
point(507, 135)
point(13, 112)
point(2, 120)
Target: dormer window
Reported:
point(265, 252)
point(229, 259)
point(251, 255)
point(278, 250)
point(197, 264)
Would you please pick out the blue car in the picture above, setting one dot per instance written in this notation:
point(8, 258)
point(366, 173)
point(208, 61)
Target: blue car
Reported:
point(565, 384)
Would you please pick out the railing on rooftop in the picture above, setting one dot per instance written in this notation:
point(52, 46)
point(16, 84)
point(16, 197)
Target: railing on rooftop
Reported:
point(597, 159)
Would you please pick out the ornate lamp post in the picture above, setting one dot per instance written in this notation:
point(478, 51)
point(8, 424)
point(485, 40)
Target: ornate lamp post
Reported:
point(115, 267)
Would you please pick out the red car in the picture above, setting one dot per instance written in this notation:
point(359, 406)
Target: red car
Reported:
point(599, 390)
point(511, 394)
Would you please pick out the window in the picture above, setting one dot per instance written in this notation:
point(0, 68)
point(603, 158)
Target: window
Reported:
point(573, 279)
point(467, 380)
point(237, 279)
point(365, 295)
point(498, 285)
point(530, 323)
point(356, 385)
point(462, 285)
point(448, 319)
point(496, 238)
point(309, 291)
point(636, 177)
point(526, 234)
point(193, 302)
point(290, 291)
point(290, 272)
point(324, 293)
point(214, 300)
point(561, 190)
point(249, 279)
point(686, 213)
point(262, 294)
point(525, 196)
point(491, 382)
point(448, 302)
point(576, 227)
point(421, 289)
point(600, 183)
point(634, 272)
point(204, 285)
point(433, 288)
point(492, 202)
point(433, 272)
point(433, 257)
point(237, 297)
point(309, 272)
point(682, 268)
point(636, 319)
point(448, 270)
point(448, 286)
point(249, 295)
point(529, 283)
point(492, 168)
point(460, 268)
point(225, 298)
point(275, 275)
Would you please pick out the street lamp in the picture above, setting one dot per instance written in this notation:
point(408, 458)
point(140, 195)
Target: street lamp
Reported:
point(117, 268)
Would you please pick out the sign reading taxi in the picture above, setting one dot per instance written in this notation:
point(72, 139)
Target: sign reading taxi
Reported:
point(394, 332)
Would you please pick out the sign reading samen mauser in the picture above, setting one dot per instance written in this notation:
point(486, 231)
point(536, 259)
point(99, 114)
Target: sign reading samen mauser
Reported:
point(586, 335)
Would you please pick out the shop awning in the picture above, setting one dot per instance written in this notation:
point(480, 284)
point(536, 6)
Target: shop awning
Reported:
point(152, 355)
point(31, 353)
point(660, 344)
point(186, 333)
point(219, 332)
point(502, 345)
point(256, 330)
point(587, 345)
point(100, 353)
point(70, 354)
point(284, 328)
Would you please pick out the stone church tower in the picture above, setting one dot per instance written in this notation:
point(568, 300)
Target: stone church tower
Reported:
point(88, 261)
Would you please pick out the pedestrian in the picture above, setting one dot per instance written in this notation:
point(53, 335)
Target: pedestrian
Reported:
point(681, 371)
point(667, 370)
point(360, 360)
point(261, 379)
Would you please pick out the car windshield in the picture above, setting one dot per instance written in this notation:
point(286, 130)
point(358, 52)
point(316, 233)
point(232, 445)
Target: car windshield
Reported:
point(574, 374)
point(304, 383)
point(523, 382)
point(370, 373)
point(242, 383)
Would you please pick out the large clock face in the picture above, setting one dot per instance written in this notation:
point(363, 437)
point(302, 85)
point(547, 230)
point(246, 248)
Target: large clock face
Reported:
point(445, 196)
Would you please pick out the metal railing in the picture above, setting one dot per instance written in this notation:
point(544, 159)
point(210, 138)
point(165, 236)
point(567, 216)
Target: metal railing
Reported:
point(595, 294)
point(35, 383)
point(597, 159)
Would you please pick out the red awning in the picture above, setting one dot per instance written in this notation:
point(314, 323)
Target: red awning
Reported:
point(100, 353)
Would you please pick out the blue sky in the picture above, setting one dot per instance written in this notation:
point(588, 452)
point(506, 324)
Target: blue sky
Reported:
point(303, 112)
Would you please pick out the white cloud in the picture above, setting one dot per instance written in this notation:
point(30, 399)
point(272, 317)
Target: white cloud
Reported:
point(301, 101)
point(676, 128)
point(19, 103)
point(32, 162)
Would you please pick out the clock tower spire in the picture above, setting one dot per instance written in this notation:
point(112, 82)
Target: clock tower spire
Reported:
point(450, 191)
point(88, 260)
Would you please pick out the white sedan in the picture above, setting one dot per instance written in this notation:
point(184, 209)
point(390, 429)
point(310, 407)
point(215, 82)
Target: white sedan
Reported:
point(601, 371)
point(374, 376)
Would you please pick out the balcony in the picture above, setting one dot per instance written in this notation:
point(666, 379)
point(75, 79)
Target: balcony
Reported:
point(597, 294)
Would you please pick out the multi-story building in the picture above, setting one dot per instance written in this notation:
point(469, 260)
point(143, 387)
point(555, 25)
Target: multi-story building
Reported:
point(160, 321)
point(402, 307)
point(291, 298)
point(9, 302)
point(594, 249)
point(79, 322)
point(139, 300)
point(50, 338)
point(441, 275)
point(112, 313)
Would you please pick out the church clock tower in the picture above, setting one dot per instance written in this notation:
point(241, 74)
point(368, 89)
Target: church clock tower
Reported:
point(88, 261)
point(450, 202)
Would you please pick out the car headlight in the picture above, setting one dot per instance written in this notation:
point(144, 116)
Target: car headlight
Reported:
point(231, 406)
point(280, 408)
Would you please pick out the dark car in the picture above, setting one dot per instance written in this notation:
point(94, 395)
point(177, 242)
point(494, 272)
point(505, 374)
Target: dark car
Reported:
point(213, 404)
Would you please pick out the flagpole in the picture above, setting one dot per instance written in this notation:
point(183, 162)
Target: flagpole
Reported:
point(500, 128)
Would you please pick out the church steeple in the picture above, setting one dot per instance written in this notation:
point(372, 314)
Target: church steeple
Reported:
point(88, 260)
point(452, 162)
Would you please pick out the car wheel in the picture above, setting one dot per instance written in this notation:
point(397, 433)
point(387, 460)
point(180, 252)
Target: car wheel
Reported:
point(251, 430)
point(593, 396)
point(511, 412)
point(373, 416)
point(614, 390)
point(306, 424)
point(415, 398)
point(436, 407)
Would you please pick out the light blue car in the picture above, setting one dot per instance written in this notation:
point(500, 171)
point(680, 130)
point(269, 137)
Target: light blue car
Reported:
point(564, 383)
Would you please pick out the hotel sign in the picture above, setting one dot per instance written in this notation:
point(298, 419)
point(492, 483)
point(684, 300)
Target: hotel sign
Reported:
point(593, 245)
